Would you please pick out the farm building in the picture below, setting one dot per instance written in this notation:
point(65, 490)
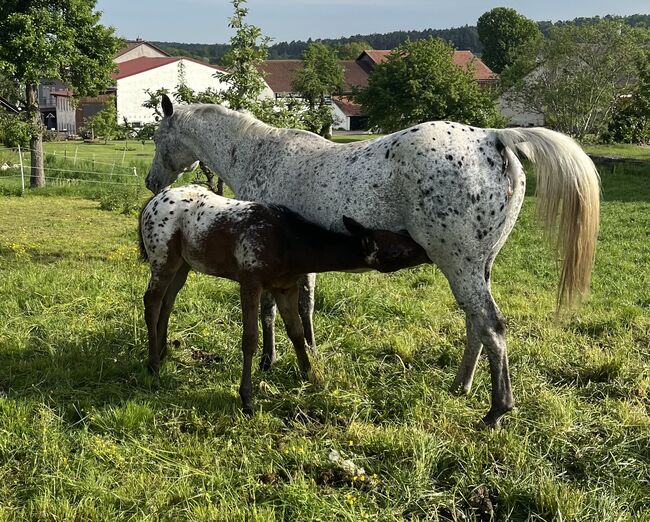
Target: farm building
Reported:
point(141, 67)
point(279, 76)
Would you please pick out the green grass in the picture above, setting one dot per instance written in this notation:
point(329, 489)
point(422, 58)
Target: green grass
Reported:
point(85, 434)
point(637, 152)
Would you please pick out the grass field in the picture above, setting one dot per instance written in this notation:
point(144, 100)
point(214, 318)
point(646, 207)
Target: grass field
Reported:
point(86, 435)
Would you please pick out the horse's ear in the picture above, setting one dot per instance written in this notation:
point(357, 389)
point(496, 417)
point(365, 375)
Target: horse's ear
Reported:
point(355, 228)
point(167, 106)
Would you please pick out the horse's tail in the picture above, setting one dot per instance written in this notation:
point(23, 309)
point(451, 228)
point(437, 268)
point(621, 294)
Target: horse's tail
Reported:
point(568, 202)
point(143, 251)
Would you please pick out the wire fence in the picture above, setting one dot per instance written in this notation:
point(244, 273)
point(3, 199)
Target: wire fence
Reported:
point(68, 166)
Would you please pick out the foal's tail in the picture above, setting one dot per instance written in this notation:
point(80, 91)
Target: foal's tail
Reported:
point(143, 251)
point(568, 202)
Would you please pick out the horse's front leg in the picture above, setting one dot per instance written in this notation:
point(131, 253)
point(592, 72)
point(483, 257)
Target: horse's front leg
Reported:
point(268, 331)
point(287, 301)
point(306, 298)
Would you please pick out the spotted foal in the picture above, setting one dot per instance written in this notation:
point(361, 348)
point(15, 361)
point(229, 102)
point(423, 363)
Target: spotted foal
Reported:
point(261, 247)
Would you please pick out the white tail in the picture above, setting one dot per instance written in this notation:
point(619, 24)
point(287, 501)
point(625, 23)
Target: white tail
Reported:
point(568, 202)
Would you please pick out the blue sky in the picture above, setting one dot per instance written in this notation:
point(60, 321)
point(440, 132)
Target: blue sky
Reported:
point(205, 21)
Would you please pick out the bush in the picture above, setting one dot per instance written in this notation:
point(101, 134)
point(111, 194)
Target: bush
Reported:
point(126, 199)
point(14, 131)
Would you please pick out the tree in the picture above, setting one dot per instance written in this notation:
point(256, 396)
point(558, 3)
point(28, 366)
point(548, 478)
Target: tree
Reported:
point(248, 49)
point(502, 30)
point(351, 50)
point(631, 119)
point(320, 76)
point(420, 82)
point(578, 74)
point(104, 123)
point(60, 40)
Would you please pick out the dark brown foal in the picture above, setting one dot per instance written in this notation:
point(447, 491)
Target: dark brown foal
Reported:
point(261, 247)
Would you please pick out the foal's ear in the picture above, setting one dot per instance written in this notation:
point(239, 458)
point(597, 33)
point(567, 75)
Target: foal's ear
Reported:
point(354, 227)
point(167, 106)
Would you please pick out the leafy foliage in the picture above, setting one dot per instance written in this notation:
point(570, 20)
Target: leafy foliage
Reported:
point(60, 40)
point(502, 30)
point(351, 50)
point(14, 130)
point(320, 76)
point(631, 120)
point(420, 82)
point(104, 123)
point(578, 74)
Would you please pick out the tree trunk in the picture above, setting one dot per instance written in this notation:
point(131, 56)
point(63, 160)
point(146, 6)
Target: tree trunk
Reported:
point(37, 174)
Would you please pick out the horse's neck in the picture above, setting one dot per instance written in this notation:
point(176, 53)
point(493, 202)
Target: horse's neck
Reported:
point(217, 140)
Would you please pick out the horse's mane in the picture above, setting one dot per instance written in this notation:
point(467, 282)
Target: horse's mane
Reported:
point(243, 121)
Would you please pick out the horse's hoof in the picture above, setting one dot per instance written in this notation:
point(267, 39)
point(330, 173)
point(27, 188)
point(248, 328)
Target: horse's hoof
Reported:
point(247, 409)
point(460, 389)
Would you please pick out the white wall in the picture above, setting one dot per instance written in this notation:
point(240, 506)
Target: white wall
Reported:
point(341, 121)
point(131, 90)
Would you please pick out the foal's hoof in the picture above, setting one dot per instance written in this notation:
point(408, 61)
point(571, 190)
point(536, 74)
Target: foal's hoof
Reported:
point(491, 420)
point(266, 362)
point(247, 409)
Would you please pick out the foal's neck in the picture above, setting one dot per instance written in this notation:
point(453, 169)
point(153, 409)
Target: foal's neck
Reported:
point(314, 249)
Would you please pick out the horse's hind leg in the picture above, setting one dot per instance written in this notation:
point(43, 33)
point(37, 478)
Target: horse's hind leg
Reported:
point(268, 331)
point(306, 300)
point(167, 304)
point(488, 325)
point(287, 301)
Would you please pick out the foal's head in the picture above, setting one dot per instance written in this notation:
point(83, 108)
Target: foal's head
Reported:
point(172, 157)
point(386, 251)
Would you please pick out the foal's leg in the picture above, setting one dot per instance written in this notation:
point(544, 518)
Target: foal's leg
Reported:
point(287, 301)
point(268, 331)
point(306, 308)
point(250, 293)
point(167, 304)
point(153, 297)
point(474, 297)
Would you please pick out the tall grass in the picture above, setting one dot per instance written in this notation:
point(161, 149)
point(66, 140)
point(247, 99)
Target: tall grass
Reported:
point(85, 434)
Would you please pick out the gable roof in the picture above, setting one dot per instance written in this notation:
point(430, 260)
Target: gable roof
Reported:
point(140, 65)
point(348, 106)
point(482, 72)
point(132, 44)
point(279, 74)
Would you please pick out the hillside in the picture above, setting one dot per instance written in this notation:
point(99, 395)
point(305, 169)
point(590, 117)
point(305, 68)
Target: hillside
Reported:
point(465, 37)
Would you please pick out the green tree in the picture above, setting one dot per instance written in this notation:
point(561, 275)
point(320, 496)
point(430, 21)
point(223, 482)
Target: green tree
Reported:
point(104, 123)
point(320, 76)
point(60, 40)
point(248, 49)
point(420, 82)
point(578, 75)
point(351, 50)
point(631, 120)
point(502, 30)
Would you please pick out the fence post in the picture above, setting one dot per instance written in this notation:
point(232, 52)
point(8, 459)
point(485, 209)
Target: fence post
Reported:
point(22, 171)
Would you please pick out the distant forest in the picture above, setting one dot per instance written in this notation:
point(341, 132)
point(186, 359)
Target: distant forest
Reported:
point(461, 37)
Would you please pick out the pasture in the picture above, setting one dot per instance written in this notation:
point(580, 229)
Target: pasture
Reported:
point(86, 434)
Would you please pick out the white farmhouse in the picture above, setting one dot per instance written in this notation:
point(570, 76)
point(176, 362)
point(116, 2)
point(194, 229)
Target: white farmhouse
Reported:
point(137, 76)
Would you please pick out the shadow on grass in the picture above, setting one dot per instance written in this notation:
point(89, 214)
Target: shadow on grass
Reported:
point(102, 373)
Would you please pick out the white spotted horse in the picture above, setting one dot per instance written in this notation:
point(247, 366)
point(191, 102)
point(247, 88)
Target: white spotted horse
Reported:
point(261, 247)
point(457, 190)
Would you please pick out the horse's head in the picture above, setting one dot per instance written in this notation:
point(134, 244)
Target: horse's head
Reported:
point(384, 250)
point(172, 156)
